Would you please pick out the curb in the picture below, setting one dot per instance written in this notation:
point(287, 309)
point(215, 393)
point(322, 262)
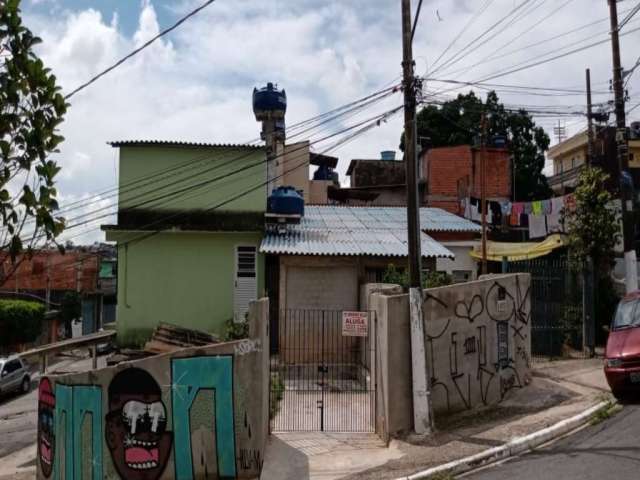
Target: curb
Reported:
point(510, 449)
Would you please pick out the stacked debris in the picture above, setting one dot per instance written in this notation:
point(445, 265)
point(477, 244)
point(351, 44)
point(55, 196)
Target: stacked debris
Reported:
point(169, 338)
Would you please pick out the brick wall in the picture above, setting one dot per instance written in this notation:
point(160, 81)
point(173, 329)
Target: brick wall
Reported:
point(446, 168)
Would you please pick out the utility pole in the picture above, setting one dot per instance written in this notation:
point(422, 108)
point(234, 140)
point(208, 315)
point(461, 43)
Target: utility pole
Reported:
point(483, 190)
point(622, 142)
point(422, 417)
point(590, 132)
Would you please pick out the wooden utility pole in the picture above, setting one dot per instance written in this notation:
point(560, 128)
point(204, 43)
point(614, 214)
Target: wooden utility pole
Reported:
point(590, 132)
point(622, 142)
point(483, 190)
point(422, 417)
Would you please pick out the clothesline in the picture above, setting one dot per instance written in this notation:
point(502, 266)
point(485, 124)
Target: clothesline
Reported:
point(540, 217)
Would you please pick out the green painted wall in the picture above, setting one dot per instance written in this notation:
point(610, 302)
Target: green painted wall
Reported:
point(200, 164)
point(182, 278)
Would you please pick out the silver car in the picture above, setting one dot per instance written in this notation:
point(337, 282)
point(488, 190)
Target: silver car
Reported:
point(14, 375)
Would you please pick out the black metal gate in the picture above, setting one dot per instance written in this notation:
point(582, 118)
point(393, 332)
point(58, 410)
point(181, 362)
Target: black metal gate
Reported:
point(556, 307)
point(322, 379)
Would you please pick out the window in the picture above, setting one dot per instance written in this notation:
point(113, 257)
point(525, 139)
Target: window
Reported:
point(12, 366)
point(246, 262)
point(461, 276)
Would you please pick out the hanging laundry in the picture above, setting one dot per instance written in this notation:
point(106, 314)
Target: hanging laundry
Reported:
point(496, 213)
point(537, 226)
point(505, 207)
point(536, 208)
point(557, 204)
point(554, 224)
point(570, 202)
point(527, 208)
point(546, 207)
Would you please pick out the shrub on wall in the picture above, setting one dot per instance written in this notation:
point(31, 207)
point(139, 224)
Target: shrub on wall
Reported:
point(20, 321)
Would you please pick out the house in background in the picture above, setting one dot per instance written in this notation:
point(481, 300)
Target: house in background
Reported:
point(451, 174)
point(48, 275)
point(570, 156)
point(322, 262)
point(187, 241)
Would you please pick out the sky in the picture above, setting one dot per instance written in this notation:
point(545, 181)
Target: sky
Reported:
point(195, 84)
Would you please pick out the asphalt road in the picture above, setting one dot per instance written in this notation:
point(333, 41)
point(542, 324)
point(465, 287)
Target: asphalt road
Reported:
point(609, 450)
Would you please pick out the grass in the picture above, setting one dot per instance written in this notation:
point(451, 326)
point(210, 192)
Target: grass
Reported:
point(443, 476)
point(606, 412)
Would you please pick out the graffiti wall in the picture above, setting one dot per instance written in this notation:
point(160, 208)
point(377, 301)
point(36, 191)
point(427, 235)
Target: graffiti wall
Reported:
point(478, 341)
point(200, 413)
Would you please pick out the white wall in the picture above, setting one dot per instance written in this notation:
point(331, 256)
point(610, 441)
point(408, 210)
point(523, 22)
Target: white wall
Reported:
point(462, 262)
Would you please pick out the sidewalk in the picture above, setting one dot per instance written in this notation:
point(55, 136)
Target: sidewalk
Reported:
point(559, 390)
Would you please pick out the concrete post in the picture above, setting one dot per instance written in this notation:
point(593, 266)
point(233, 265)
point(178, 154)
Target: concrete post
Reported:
point(422, 419)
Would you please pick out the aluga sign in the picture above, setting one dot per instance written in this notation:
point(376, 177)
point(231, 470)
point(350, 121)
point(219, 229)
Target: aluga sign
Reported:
point(355, 324)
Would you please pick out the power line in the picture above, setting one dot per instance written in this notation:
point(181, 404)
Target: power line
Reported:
point(453, 59)
point(471, 21)
point(520, 35)
point(139, 49)
point(631, 14)
point(538, 43)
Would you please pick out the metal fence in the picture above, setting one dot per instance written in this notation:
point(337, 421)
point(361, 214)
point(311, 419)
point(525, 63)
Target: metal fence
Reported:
point(321, 379)
point(557, 322)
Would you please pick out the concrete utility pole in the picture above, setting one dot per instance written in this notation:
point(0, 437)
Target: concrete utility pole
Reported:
point(622, 141)
point(422, 417)
point(590, 136)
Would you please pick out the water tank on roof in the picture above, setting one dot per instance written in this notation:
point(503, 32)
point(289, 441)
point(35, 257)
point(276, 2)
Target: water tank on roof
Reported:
point(499, 141)
point(635, 131)
point(285, 201)
point(388, 155)
point(269, 103)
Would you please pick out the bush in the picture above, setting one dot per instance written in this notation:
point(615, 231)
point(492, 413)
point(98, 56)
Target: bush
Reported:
point(235, 331)
point(429, 279)
point(20, 321)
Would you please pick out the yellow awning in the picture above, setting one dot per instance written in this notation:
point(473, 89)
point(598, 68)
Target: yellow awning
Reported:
point(515, 252)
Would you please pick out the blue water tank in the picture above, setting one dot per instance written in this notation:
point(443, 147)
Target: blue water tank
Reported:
point(388, 155)
point(286, 201)
point(269, 102)
point(499, 141)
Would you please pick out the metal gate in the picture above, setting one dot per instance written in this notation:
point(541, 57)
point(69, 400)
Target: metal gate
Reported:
point(320, 379)
point(556, 307)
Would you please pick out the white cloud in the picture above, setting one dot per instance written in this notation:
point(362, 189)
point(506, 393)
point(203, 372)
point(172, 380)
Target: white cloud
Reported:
point(196, 83)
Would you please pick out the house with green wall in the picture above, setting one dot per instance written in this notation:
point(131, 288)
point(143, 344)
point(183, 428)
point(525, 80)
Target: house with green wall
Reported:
point(189, 226)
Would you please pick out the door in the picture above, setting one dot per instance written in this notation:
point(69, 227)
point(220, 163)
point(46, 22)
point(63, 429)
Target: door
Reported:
point(246, 281)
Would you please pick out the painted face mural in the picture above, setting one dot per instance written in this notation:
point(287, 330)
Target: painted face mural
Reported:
point(46, 434)
point(136, 426)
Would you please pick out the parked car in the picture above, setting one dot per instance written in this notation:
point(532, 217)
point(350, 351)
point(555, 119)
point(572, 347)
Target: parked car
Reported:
point(622, 355)
point(14, 375)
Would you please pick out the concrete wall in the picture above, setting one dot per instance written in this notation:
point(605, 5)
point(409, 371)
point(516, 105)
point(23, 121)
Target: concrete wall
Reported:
point(197, 413)
point(179, 277)
point(295, 167)
point(478, 346)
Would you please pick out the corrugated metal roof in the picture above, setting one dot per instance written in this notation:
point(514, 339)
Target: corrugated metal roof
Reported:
point(377, 231)
point(179, 143)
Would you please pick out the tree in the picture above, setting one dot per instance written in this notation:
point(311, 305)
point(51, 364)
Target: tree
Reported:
point(593, 230)
point(457, 122)
point(31, 110)
point(20, 322)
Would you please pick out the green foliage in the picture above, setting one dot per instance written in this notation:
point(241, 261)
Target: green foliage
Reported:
point(20, 321)
point(277, 392)
point(31, 110)
point(457, 122)
point(592, 228)
point(429, 279)
point(235, 331)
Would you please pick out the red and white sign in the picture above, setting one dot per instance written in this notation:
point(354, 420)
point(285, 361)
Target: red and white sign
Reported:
point(355, 324)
